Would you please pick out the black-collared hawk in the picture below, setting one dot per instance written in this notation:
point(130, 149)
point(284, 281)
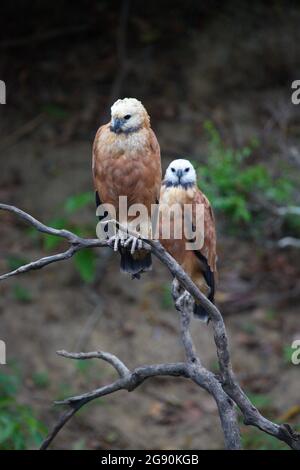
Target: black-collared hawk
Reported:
point(180, 187)
point(126, 162)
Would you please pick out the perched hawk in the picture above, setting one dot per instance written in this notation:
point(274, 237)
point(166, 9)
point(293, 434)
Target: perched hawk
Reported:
point(126, 162)
point(180, 187)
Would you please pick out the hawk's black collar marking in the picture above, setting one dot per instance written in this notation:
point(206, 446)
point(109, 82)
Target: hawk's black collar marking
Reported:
point(169, 184)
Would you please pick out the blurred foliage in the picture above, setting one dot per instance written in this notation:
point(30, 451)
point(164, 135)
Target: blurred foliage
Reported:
point(287, 354)
point(55, 111)
point(83, 367)
point(41, 379)
point(65, 390)
point(261, 401)
point(291, 225)
point(254, 439)
point(271, 314)
point(14, 262)
point(22, 294)
point(166, 300)
point(236, 185)
point(19, 427)
point(248, 327)
point(85, 262)
point(79, 444)
point(78, 201)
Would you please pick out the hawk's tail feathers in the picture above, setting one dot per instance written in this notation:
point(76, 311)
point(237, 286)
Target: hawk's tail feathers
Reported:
point(200, 313)
point(135, 264)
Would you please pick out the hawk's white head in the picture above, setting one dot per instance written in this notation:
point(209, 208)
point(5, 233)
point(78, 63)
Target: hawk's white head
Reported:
point(128, 115)
point(180, 173)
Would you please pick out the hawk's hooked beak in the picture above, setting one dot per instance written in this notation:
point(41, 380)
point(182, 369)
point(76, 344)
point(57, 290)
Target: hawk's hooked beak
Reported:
point(179, 174)
point(116, 125)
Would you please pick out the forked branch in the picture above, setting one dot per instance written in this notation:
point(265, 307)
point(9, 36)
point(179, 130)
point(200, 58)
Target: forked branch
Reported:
point(224, 387)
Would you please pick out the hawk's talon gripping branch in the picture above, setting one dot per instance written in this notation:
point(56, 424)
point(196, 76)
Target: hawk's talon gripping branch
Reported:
point(136, 243)
point(121, 240)
point(117, 241)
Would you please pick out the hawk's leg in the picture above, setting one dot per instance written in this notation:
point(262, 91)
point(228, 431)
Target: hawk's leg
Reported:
point(136, 243)
point(117, 240)
point(183, 300)
point(177, 290)
point(121, 239)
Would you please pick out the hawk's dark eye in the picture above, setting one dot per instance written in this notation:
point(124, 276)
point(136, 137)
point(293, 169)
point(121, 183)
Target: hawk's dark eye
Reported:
point(173, 169)
point(128, 116)
point(187, 169)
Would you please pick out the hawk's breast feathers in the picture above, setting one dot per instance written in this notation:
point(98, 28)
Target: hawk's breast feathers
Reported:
point(127, 165)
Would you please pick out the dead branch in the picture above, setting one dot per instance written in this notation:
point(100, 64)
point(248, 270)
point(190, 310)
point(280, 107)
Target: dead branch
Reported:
point(289, 242)
point(290, 210)
point(224, 388)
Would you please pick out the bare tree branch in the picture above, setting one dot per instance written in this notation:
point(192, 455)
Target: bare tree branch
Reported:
point(202, 376)
point(110, 358)
point(76, 243)
point(128, 382)
point(289, 242)
point(290, 210)
point(225, 389)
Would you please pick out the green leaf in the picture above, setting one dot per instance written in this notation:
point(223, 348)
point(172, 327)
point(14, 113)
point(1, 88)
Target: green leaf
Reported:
point(231, 178)
point(7, 428)
point(19, 427)
point(8, 385)
point(166, 298)
point(78, 201)
point(85, 262)
point(52, 241)
point(14, 262)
